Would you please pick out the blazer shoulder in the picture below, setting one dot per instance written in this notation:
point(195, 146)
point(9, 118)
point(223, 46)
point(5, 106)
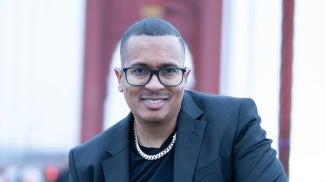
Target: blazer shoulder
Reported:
point(218, 108)
point(97, 146)
point(208, 99)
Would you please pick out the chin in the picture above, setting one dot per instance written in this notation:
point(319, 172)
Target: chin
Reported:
point(154, 119)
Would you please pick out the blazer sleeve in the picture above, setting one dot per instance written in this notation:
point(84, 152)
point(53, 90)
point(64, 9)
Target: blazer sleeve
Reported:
point(253, 157)
point(72, 169)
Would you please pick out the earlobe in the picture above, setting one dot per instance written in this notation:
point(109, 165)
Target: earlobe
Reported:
point(120, 87)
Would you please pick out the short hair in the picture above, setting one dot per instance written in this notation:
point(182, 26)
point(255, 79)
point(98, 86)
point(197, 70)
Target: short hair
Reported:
point(151, 26)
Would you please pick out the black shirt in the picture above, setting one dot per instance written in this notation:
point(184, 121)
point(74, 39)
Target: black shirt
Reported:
point(143, 170)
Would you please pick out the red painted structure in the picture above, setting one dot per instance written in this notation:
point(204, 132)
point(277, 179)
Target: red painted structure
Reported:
point(286, 82)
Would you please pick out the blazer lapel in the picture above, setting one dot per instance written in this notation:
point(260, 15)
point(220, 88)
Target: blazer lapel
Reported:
point(190, 132)
point(116, 166)
point(189, 138)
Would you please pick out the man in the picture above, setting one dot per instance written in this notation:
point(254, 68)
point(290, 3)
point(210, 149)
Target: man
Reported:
point(172, 134)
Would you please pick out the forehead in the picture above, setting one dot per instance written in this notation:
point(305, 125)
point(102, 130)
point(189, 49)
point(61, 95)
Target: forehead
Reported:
point(146, 40)
point(153, 48)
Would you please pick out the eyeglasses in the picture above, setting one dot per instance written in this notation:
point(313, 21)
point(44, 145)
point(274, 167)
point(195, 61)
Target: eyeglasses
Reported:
point(139, 76)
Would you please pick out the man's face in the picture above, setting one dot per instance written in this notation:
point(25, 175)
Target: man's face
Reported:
point(153, 102)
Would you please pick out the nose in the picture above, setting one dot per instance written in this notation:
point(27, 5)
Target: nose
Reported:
point(154, 83)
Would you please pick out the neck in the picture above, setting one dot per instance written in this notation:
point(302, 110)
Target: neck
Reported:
point(153, 135)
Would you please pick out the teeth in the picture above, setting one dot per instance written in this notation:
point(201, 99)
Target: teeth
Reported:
point(154, 101)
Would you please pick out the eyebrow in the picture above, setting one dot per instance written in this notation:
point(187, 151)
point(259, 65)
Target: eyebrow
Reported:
point(169, 65)
point(138, 65)
point(165, 65)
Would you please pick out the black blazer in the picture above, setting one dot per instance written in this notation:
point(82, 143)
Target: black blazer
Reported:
point(219, 138)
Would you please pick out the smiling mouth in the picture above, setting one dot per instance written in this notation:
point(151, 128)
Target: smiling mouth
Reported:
point(154, 101)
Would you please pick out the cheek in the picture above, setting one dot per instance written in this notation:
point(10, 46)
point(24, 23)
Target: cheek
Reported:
point(130, 92)
point(178, 95)
point(131, 97)
point(123, 85)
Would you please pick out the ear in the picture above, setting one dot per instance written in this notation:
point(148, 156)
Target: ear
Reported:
point(119, 76)
point(186, 74)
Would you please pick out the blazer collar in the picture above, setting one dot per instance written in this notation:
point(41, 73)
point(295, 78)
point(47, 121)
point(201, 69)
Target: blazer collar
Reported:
point(190, 130)
point(116, 166)
point(189, 138)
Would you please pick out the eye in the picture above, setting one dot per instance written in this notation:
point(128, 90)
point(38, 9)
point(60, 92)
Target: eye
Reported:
point(138, 71)
point(170, 71)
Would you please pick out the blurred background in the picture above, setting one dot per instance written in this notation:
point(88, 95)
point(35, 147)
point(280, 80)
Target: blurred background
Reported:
point(56, 86)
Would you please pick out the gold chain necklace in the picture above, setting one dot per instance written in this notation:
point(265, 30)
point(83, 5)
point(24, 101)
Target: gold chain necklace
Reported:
point(156, 156)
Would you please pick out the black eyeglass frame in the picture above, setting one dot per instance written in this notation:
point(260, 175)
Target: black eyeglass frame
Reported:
point(156, 72)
